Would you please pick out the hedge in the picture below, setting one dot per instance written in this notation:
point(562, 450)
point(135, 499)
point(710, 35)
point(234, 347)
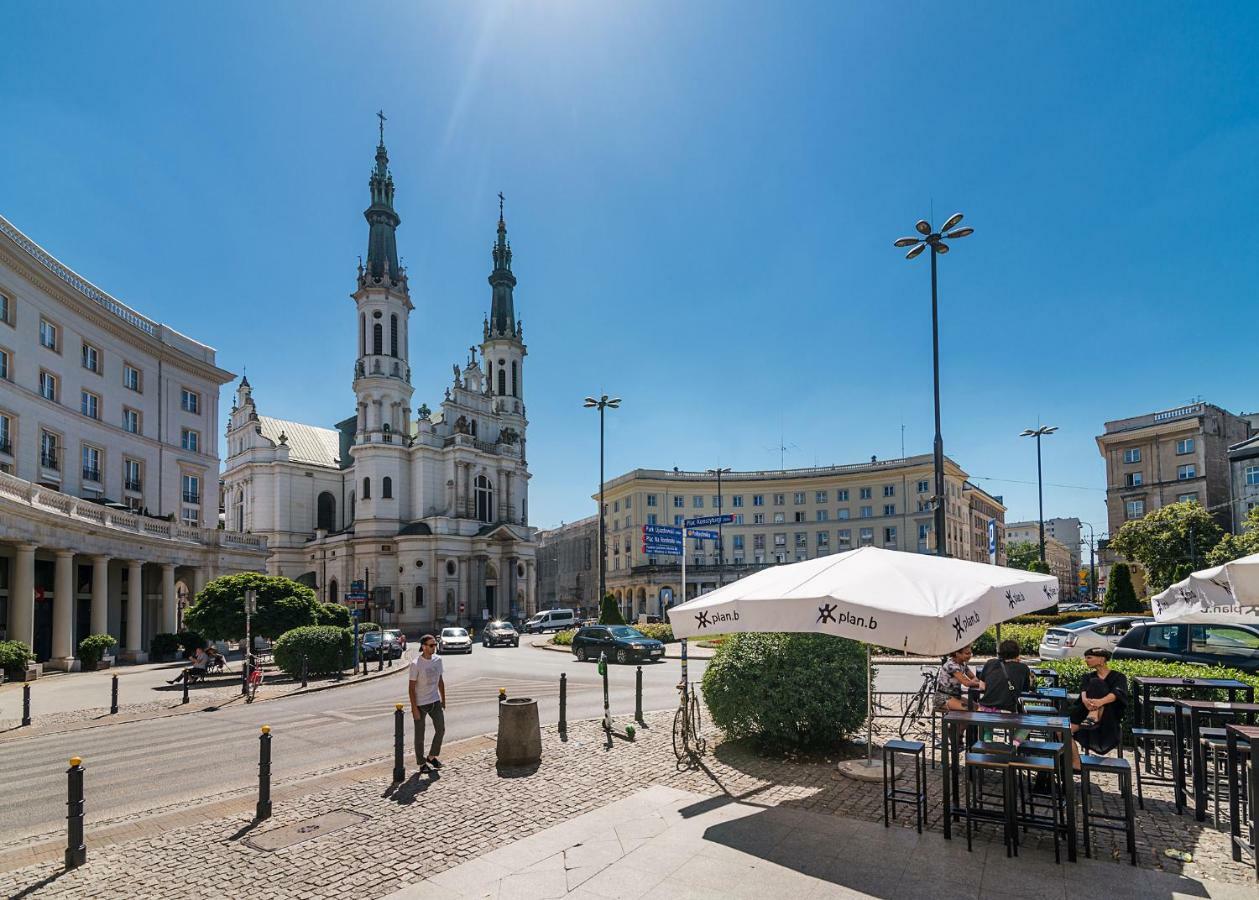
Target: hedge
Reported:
point(14, 657)
point(660, 632)
point(327, 649)
point(564, 638)
point(92, 649)
point(1028, 636)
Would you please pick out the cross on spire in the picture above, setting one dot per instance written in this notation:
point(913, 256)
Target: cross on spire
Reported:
point(500, 204)
point(381, 115)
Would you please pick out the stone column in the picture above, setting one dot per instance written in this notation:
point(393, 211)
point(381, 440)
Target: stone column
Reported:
point(100, 595)
point(530, 595)
point(170, 601)
point(135, 612)
point(63, 613)
point(22, 597)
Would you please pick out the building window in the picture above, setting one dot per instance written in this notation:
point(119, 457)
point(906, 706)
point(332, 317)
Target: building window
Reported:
point(130, 420)
point(799, 516)
point(1132, 455)
point(820, 497)
point(1252, 475)
point(844, 537)
point(419, 596)
point(1187, 498)
point(823, 538)
point(386, 488)
point(89, 404)
point(679, 502)
point(189, 401)
point(677, 521)
point(6, 309)
point(779, 518)
point(616, 506)
point(889, 509)
point(889, 490)
point(889, 538)
point(867, 512)
point(47, 334)
point(823, 515)
point(1132, 479)
point(797, 498)
point(841, 513)
point(697, 501)
point(758, 518)
point(1184, 446)
point(367, 489)
point(91, 463)
point(48, 386)
point(802, 539)
point(131, 378)
point(758, 542)
point(131, 475)
point(393, 336)
point(866, 493)
point(484, 499)
point(924, 486)
point(192, 489)
point(91, 358)
point(1134, 509)
point(6, 373)
point(190, 515)
point(651, 499)
point(736, 500)
point(378, 342)
point(6, 432)
point(515, 382)
point(758, 499)
point(780, 540)
point(190, 440)
point(867, 537)
point(502, 381)
point(1183, 473)
point(780, 499)
point(651, 518)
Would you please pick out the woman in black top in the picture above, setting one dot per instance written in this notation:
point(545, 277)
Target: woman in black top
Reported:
point(1097, 717)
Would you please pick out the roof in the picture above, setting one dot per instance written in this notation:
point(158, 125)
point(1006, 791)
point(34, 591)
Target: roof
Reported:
point(307, 443)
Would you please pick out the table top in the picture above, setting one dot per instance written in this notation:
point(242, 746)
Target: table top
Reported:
point(1059, 693)
point(1006, 719)
point(1250, 732)
point(1238, 706)
point(1192, 682)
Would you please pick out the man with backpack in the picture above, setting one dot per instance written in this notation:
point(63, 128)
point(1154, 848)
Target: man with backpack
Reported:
point(1005, 679)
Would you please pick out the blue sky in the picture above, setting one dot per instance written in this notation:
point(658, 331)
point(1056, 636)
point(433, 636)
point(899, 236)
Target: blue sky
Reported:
point(701, 199)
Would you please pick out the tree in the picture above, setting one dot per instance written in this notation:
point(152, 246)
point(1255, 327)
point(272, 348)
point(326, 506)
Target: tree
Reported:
point(1169, 542)
point(1021, 555)
point(1120, 596)
point(218, 612)
point(333, 614)
point(1235, 546)
point(609, 614)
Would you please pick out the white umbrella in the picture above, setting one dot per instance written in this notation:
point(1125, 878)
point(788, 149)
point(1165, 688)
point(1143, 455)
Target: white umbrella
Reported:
point(908, 601)
point(1224, 593)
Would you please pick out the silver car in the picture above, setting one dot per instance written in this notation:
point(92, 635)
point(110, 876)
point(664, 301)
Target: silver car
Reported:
point(1073, 638)
point(454, 640)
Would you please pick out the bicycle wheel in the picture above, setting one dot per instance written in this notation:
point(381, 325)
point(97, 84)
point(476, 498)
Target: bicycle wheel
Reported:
point(696, 741)
point(679, 736)
point(913, 713)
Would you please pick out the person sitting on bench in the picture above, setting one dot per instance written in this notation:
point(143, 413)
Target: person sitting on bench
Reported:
point(196, 667)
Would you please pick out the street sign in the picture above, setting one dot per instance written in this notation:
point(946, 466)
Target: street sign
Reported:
point(663, 530)
point(992, 541)
point(709, 520)
point(657, 542)
point(355, 596)
point(662, 550)
point(702, 534)
point(358, 586)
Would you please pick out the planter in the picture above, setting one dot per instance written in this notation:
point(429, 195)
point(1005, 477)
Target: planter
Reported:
point(33, 671)
point(519, 732)
point(99, 665)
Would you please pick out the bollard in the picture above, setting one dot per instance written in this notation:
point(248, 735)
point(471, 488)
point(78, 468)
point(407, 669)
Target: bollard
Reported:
point(76, 849)
point(113, 697)
point(26, 705)
point(607, 710)
point(638, 696)
point(304, 673)
point(264, 775)
point(380, 663)
point(563, 702)
point(185, 700)
point(399, 767)
point(244, 675)
point(364, 665)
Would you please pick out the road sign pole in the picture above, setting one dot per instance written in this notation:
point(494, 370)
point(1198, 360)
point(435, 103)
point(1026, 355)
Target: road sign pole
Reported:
point(683, 687)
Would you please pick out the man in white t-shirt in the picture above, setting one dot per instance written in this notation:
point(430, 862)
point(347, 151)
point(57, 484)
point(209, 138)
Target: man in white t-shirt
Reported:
point(427, 689)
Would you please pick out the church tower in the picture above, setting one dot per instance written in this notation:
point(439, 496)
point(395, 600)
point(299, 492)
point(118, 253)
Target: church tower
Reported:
point(382, 372)
point(503, 348)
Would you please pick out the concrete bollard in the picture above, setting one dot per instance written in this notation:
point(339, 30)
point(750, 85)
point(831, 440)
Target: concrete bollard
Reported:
point(399, 767)
point(264, 775)
point(185, 700)
point(26, 705)
point(76, 849)
point(519, 732)
point(563, 702)
point(304, 670)
point(638, 696)
point(113, 696)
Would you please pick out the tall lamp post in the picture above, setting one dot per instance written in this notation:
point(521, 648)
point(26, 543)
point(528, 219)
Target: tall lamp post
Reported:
point(936, 241)
point(1092, 563)
point(721, 511)
point(601, 404)
point(1039, 433)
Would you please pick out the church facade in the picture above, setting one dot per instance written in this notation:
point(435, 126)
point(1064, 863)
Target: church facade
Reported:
point(430, 512)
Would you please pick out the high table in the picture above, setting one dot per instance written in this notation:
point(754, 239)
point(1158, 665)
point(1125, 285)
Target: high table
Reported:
point(1059, 695)
point(1248, 733)
point(953, 722)
point(1142, 712)
point(1197, 710)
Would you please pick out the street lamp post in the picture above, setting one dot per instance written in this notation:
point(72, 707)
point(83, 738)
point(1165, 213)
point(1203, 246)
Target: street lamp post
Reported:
point(601, 404)
point(1092, 563)
point(721, 511)
point(936, 240)
point(1038, 433)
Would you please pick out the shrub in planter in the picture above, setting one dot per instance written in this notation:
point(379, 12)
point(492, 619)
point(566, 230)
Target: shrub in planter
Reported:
point(94, 647)
point(327, 649)
point(662, 631)
point(164, 646)
point(14, 657)
point(787, 692)
point(564, 638)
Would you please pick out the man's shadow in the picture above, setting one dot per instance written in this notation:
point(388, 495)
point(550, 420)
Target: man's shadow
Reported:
point(406, 792)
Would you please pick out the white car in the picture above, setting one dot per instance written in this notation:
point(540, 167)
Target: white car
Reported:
point(1073, 638)
point(454, 640)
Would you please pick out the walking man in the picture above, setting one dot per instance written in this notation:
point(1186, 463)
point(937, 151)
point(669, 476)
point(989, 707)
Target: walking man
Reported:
point(427, 689)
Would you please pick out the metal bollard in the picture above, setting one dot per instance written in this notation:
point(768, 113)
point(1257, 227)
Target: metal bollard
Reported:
point(399, 767)
point(264, 775)
point(26, 705)
point(185, 700)
point(113, 697)
point(607, 709)
point(563, 702)
point(380, 663)
point(244, 675)
point(304, 671)
point(638, 696)
point(76, 849)
point(365, 665)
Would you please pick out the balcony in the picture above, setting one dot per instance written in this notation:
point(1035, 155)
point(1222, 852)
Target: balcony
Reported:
point(90, 474)
point(49, 461)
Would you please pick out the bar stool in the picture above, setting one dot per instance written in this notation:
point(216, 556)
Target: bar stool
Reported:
point(891, 793)
point(1027, 768)
point(1156, 745)
point(1126, 822)
point(976, 765)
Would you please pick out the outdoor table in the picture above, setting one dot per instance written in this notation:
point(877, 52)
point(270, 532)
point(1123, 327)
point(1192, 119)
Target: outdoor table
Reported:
point(1049, 675)
point(1143, 713)
point(953, 722)
point(1236, 767)
point(1198, 710)
point(1058, 695)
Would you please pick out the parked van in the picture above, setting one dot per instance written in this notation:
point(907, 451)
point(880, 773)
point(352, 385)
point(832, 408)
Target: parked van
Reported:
point(551, 620)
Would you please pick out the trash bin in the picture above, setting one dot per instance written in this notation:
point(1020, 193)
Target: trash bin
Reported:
point(519, 732)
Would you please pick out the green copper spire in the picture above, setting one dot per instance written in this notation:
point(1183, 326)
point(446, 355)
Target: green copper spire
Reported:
point(382, 247)
point(502, 307)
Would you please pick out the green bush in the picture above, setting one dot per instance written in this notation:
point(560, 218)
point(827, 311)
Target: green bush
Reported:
point(327, 649)
point(1057, 619)
point(94, 647)
point(190, 641)
point(787, 692)
point(660, 631)
point(332, 614)
point(1120, 596)
point(219, 609)
point(14, 657)
point(164, 644)
point(1028, 635)
point(364, 627)
point(564, 638)
point(609, 613)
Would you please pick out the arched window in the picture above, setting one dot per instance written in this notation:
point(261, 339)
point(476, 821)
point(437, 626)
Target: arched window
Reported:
point(419, 596)
point(502, 381)
point(484, 499)
point(388, 432)
point(450, 603)
point(334, 596)
point(473, 427)
point(351, 506)
point(326, 512)
point(489, 371)
point(515, 381)
point(378, 339)
point(362, 334)
point(240, 511)
point(367, 489)
point(386, 488)
point(393, 336)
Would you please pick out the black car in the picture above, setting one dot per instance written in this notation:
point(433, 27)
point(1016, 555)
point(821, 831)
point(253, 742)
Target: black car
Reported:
point(619, 642)
point(500, 634)
point(374, 640)
point(1235, 645)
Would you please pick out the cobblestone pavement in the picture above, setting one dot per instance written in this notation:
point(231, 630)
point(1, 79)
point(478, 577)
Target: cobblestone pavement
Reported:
point(427, 825)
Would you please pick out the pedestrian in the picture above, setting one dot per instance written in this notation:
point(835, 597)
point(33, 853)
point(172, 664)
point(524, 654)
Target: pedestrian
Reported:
point(427, 690)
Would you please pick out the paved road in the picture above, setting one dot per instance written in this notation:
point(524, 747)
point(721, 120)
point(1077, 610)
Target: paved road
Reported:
point(166, 762)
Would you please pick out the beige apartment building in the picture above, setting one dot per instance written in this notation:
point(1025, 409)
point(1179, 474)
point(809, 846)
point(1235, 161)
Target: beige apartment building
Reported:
point(783, 516)
point(1062, 565)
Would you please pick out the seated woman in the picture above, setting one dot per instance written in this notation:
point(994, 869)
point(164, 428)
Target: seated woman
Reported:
point(953, 679)
point(1097, 717)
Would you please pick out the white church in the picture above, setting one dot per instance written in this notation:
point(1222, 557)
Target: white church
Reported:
point(430, 513)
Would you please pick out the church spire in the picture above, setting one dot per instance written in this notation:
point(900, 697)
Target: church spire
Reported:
point(382, 247)
point(502, 307)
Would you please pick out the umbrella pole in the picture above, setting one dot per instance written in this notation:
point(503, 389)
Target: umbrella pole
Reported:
point(869, 706)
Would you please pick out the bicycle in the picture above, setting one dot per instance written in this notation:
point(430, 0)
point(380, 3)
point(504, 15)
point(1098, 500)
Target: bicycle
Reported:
point(255, 679)
point(919, 705)
point(687, 742)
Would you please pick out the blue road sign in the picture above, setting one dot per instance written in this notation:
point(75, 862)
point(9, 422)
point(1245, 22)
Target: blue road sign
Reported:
point(702, 534)
point(992, 537)
point(662, 549)
point(663, 530)
point(709, 520)
point(656, 542)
